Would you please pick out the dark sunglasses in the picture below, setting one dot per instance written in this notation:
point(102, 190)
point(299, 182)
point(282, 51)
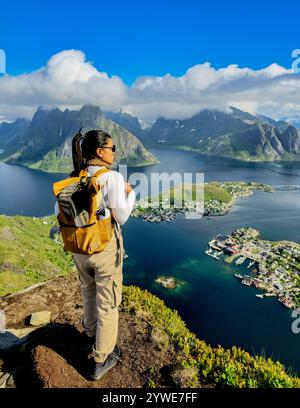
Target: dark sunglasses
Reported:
point(113, 148)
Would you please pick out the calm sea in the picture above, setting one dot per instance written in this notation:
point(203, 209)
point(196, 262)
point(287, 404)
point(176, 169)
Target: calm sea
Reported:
point(213, 303)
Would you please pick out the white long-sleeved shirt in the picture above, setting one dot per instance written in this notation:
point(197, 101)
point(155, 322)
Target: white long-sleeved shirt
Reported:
point(115, 198)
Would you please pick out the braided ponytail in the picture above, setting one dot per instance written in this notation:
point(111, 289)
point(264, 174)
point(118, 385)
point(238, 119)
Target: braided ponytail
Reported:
point(78, 159)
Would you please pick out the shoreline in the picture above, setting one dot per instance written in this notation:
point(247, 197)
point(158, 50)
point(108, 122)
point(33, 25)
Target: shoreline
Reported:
point(212, 207)
point(295, 158)
point(272, 275)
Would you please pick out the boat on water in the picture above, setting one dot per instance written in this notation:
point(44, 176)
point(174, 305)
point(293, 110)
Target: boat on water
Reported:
point(259, 296)
point(237, 275)
point(250, 264)
point(214, 255)
point(125, 255)
point(237, 261)
point(246, 282)
point(240, 260)
point(287, 303)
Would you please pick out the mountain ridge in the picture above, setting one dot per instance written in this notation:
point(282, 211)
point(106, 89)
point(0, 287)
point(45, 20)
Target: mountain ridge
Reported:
point(235, 134)
point(238, 135)
point(46, 141)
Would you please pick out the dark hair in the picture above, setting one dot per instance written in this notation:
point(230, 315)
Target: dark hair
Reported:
point(84, 148)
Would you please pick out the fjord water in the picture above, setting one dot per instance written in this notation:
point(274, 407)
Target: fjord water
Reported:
point(213, 303)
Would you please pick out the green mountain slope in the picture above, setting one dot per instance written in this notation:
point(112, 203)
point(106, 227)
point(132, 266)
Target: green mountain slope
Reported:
point(47, 140)
point(236, 134)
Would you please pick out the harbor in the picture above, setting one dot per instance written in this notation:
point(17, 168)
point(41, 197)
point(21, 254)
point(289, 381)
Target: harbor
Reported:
point(217, 296)
point(275, 265)
point(213, 254)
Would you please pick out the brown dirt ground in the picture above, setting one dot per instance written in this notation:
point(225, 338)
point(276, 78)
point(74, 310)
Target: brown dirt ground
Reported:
point(57, 355)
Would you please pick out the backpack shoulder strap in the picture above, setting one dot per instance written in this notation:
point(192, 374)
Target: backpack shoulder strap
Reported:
point(83, 173)
point(58, 186)
point(101, 171)
point(94, 181)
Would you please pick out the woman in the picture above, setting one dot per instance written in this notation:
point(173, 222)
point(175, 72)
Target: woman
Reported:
point(101, 274)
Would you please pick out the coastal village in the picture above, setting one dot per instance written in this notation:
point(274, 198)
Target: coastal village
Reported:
point(218, 200)
point(218, 206)
point(276, 264)
point(160, 211)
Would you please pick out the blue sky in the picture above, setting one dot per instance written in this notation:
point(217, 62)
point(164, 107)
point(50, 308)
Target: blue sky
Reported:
point(135, 38)
point(150, 58)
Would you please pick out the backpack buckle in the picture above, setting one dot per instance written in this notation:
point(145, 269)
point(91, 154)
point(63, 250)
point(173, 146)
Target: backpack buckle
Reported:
point(84, 180)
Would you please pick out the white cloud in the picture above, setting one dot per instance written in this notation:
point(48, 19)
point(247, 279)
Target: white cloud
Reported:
point(273, 90)
point(69, 80)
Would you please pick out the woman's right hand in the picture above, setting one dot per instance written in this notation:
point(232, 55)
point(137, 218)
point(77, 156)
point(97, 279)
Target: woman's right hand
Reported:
point(128, 188)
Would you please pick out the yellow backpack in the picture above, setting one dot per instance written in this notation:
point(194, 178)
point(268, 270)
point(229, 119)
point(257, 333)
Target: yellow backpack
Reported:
point(81, 227)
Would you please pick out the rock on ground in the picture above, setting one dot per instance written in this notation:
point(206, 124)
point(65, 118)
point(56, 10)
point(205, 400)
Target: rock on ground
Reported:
point(57, 355)
point(40, 318)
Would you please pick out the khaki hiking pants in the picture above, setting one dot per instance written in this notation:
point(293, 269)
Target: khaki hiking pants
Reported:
point(101, 277)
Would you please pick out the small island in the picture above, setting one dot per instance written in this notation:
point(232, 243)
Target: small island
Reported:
point(218, 200)
point(169, 282)
point(277, 263)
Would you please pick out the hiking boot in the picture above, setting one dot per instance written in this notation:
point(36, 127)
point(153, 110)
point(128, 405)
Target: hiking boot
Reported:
point(101, 368)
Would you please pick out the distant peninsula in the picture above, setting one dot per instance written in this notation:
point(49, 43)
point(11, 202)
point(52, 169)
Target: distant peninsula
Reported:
point(218, 200)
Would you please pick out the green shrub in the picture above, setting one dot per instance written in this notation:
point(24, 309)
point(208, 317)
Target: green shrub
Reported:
point(221, 367)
